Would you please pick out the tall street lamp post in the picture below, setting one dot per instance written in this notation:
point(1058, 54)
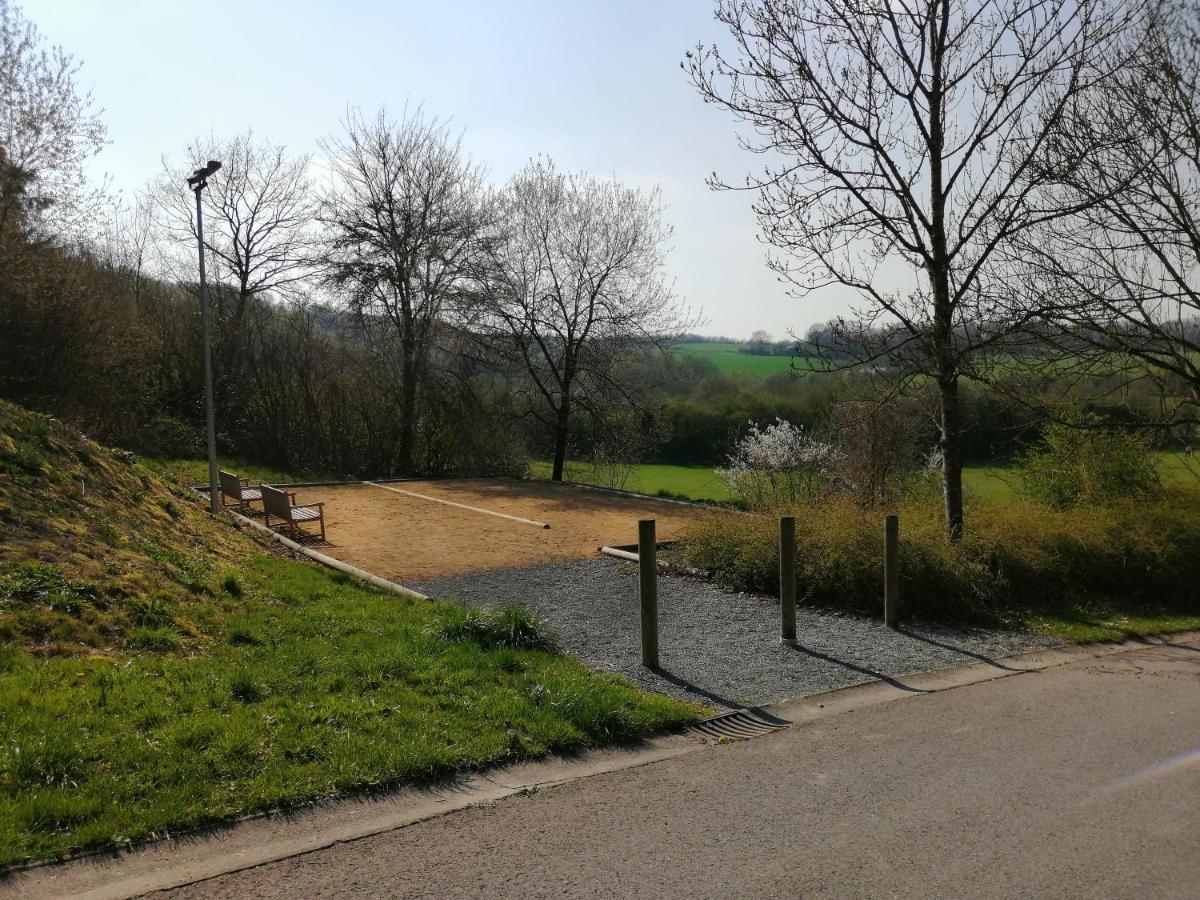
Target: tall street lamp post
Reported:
point(198, 181)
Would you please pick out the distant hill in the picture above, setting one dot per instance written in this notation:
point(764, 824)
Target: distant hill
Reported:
point(97, 555)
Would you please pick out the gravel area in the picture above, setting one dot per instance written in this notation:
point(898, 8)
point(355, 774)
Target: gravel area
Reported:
point(717, 647)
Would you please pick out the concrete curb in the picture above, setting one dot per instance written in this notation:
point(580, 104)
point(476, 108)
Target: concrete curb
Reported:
point(805, 708)
point(269, 837)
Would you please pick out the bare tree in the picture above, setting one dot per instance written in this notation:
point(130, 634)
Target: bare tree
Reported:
point(575, 284)
point(258, 234)
point(257, 214)
point(48, 126)
point(1124, 271)
point(404, 219)
point(902, 133)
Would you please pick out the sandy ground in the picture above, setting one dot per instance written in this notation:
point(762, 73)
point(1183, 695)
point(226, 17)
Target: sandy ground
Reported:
point(405, 538)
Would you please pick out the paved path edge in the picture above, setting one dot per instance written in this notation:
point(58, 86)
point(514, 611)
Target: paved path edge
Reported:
point(270, 837)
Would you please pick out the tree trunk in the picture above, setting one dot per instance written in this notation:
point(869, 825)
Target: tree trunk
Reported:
point(952, 456)
point(408, 405)
point(945, 358)
point(561, 432)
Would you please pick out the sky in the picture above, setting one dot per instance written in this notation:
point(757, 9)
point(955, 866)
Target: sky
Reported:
point(596, 85)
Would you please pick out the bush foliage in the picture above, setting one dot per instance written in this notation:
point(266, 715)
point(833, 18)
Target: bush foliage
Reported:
point(1020, 557)
point(1082, 463)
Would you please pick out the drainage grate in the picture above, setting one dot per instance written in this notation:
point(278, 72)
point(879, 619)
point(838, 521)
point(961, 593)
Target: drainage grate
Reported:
point(738, 725)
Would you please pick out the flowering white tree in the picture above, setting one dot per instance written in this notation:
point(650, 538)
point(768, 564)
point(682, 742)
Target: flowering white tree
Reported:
point(778, 464)
point(49, 129)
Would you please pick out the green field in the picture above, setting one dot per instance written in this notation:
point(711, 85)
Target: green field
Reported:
point(681, 482)
point(988, 483)
point(999, 482)
point(726, 358)
point(703, 482)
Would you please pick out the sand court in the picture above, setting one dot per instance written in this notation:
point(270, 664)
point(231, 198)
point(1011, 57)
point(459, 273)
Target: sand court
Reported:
point(389, 530)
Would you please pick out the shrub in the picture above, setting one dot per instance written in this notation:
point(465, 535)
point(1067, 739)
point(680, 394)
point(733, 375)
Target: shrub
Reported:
point(1017, 557)
point(1080, 463)
point(171, 438)
point(778, 464)
point(881, 449)
point(514, 626)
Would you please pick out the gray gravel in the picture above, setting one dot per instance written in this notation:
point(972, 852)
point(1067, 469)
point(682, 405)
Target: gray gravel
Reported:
point(716, 647)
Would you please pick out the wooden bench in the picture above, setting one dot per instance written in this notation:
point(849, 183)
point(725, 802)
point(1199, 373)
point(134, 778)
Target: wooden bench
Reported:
point(281, 505)
point(238, 492)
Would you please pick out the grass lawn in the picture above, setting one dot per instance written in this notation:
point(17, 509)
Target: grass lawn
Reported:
point(679, 482)
point(984, 482)
point(997, 483)
point(196, 470)
point(989, 483)
point(310, 686)
point(1084, 625)
point(727, 358)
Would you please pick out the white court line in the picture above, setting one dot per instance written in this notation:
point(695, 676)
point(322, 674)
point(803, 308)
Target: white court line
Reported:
point(477, 509)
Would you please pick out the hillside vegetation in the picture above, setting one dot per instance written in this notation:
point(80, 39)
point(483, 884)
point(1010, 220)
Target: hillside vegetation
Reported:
point(97, 555)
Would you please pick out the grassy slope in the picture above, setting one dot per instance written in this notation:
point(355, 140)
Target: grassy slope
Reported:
point(96, 554)
point(160, 671)
point(727, 358)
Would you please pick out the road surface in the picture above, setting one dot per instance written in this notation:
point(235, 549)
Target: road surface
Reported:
point(1077, 781)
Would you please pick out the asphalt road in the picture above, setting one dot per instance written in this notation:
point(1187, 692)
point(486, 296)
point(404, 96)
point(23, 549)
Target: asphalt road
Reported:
point(1077, 781)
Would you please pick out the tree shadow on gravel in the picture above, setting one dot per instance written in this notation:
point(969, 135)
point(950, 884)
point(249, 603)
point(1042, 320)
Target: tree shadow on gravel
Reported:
point(953, 649)
point(862, 670)
point(683, 684)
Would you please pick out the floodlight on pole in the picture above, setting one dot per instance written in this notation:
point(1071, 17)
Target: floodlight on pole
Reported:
point(197, 181)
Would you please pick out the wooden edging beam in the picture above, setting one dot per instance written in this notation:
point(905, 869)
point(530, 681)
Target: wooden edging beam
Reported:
point(355, 572)
point(620, 554)
point(478, 509)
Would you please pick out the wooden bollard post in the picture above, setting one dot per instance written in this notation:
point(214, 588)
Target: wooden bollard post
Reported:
point(648, 577)
point(787, 579)
point(891, 571)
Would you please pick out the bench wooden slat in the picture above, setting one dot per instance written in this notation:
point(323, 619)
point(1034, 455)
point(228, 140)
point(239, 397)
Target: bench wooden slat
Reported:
point(239, 495)
point(278, 503)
